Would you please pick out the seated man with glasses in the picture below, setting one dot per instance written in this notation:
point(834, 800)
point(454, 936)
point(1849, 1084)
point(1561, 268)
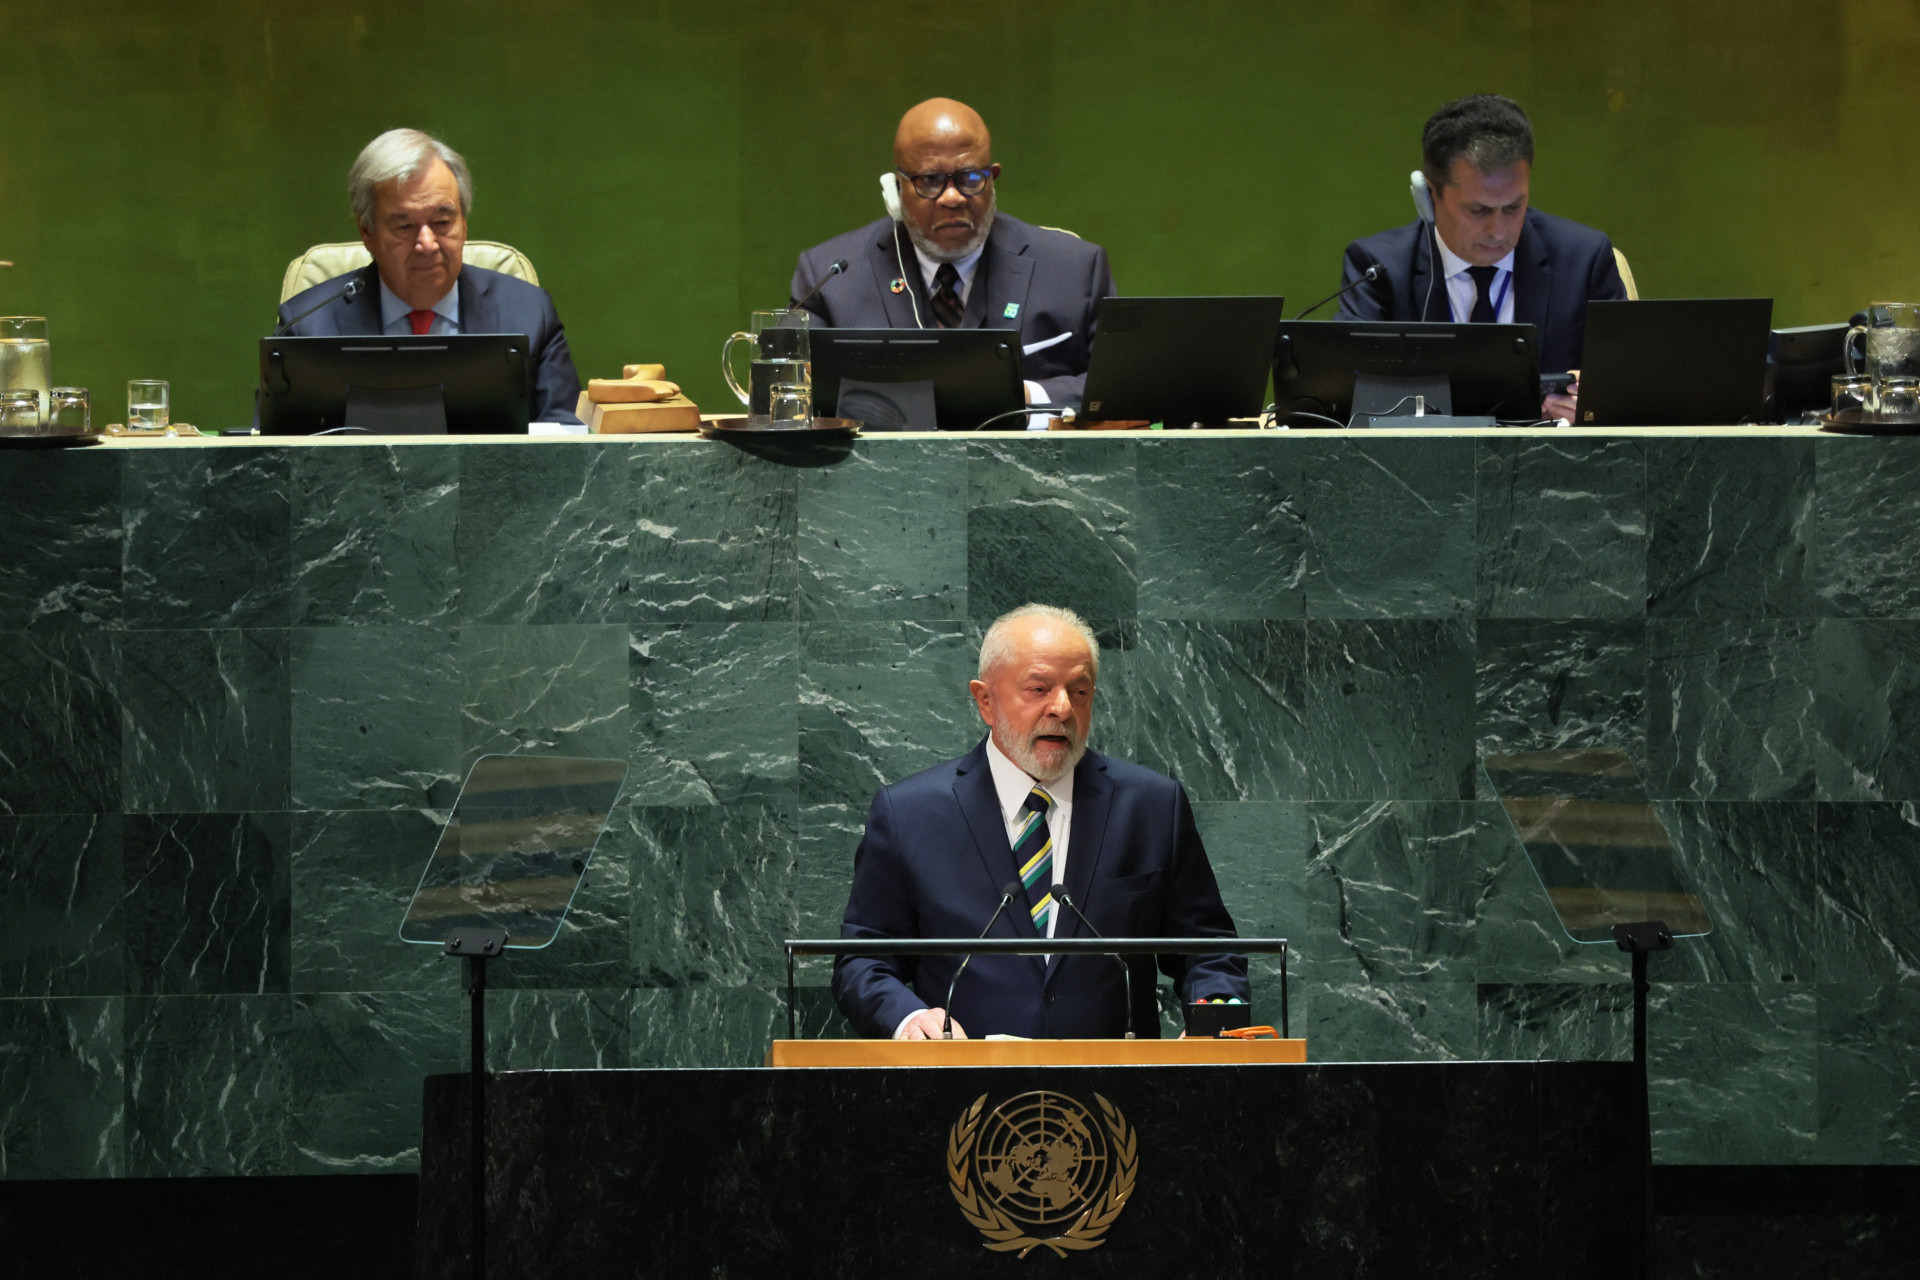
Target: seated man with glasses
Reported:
point(945, 259)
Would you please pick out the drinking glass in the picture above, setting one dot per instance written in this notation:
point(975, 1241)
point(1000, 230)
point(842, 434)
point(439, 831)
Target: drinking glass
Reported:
point(20, 411)
point(69, 412)
point(147, 405)
point(24, 362)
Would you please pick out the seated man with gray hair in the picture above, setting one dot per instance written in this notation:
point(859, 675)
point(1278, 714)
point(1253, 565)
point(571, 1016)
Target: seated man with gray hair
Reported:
point(410, 194)
point(1028, 823)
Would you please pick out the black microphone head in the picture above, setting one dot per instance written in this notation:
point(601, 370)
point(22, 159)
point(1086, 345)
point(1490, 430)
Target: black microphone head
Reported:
point(839, 265)
point(1011, 889)
point(1061, 895)
point(1372, 273)
point(351, 292)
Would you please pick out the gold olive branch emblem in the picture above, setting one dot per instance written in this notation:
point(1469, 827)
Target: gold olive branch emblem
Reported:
point(1004, 1235)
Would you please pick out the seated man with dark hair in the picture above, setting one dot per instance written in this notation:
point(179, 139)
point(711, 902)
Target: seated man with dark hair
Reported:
point(1500, 261)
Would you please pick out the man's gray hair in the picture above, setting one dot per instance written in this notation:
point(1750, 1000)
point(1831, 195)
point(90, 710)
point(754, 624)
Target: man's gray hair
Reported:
point(995, 648)
point(401, 153)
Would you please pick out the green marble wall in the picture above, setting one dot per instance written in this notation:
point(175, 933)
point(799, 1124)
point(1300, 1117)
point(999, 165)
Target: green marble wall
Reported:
point(238, 687)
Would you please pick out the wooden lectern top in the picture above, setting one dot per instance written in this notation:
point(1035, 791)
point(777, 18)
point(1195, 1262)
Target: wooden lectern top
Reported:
point(1226, 1051)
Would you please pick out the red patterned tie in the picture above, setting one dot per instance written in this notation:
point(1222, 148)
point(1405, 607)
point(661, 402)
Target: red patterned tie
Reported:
point(422, 321)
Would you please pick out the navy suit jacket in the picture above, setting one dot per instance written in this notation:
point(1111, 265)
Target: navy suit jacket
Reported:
point(1053, 281)
point(490, 302)
point(935, 857)
point(1558, 266)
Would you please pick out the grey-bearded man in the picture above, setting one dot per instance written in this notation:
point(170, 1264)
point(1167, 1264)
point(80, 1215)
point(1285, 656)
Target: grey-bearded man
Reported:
point(946, 258)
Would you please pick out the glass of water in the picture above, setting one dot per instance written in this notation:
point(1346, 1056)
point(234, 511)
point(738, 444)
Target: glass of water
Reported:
point(20, 411)
point(69, 412)
point(790, 404)
point(147, 401)
point(24, 363)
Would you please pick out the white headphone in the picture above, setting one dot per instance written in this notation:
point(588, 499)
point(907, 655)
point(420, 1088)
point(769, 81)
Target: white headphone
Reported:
point(890, 195)
point(1423, 205)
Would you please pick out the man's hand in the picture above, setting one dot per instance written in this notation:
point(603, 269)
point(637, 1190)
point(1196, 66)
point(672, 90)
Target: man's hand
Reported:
point(925, 1025)
point(1563, 406)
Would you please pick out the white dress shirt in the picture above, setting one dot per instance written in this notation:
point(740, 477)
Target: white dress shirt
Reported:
point(393, 312)
point(1462, 294)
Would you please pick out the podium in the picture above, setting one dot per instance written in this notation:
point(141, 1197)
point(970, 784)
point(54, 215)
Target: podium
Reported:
point(1495, 1169)
point(1224, 1051)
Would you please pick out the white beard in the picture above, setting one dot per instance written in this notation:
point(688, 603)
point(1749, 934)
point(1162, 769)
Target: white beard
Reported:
point(981, 231)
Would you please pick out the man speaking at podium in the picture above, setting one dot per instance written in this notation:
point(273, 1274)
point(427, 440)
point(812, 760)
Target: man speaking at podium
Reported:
point(1034, 824)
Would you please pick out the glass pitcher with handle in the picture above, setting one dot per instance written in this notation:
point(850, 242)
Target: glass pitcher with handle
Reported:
point(1890, 351)
point(24, 362)
point(781, 358)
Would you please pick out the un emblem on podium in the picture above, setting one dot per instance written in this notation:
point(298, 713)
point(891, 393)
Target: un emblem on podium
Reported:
point(1040, 1170)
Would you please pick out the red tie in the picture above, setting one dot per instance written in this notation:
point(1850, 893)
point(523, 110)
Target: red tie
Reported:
point(422, 321)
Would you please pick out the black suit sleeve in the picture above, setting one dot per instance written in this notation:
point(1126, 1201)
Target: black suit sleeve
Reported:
point(1066, 388)
point(1371, 301)
point(876, 993)
point(1193, 909)
point(556, 385)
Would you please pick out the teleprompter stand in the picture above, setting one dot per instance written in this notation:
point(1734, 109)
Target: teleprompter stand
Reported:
point(1606, 862)
point(501, 877)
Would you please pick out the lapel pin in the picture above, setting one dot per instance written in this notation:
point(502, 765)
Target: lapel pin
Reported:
point(898, 286)
point(1012, 311)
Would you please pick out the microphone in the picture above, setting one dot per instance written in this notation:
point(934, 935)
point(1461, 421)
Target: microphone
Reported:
point(1065, 899)
point(347, 293)
point(839, 265)
point(1007, 893)
point(1368, 276)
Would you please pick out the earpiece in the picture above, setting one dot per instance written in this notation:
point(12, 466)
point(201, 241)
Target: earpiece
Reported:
point(890, 195)
point(1422, 196)
point(890, 192)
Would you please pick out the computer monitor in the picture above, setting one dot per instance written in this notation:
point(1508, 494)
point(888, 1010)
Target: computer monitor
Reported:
point(465, 383)
point(919, 379)
point(1181, 361)
point(1676, 362)
point(1801, 365)
point(1358, 372)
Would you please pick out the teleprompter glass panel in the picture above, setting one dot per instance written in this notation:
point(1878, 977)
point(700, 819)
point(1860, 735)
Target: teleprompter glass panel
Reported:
point(514, 850)
point(1601, 852)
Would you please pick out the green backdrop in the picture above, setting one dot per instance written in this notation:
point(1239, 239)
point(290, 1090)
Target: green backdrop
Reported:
point(663, 163)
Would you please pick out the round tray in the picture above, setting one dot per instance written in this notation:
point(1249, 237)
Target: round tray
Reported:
point(1858, 422)
point(12, 440)
point(817, 429)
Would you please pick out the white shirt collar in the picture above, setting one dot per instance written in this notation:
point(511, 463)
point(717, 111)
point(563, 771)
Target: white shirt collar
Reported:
point(1457, 265)
point(392, 309)
point(929, 268)
point(1011, 784)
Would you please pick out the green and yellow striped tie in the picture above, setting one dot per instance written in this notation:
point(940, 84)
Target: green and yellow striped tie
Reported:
point(1033, 854)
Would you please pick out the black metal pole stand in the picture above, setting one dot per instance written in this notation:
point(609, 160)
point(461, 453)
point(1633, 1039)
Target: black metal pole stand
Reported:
point(477, 946)
point(1639, 940)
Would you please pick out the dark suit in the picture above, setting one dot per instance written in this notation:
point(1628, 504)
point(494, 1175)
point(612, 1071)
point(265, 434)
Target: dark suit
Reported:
point(935, 857)
point(1558, 267)
point(1054, 280)
point(490, 302)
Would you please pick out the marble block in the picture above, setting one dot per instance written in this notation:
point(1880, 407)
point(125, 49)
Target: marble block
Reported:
point(714, 536)
point(60, 546)
point(1730, 709)
point(1865, 539)
point(714, 716)
point(1867, 705)
point(353, 873)
point(1390, 528)
point(1867, 1074)
point(372, 536)
point(208, 903)
point(1562, 527)
point(62, 1088)
point(559, 690)
point(1866, 885)
point(376, 720)
point(1052, 521)
point(719, 888)
point(1553, 685)
point(61, 889)
point(204, 720)
point(1728, 528)
point(1389, 710)
point(883, 535)
point(1731, 1070)
point(206, 539)
point(542, 535)
point(1219, 531)
point(61, 736)
point(1223, 707)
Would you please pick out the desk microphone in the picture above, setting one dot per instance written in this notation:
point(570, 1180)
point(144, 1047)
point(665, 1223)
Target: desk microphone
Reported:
point(839, 265)
point(1065, 899)
point(1007, 893)
point(348, 291)
point(1368, 276)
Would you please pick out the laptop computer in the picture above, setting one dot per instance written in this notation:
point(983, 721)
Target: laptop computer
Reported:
point(1181, 361)
point(968, 376)
point(1682, 362)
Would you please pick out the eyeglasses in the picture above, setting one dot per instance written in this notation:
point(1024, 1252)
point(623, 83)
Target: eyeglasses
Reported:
point(931, 186)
